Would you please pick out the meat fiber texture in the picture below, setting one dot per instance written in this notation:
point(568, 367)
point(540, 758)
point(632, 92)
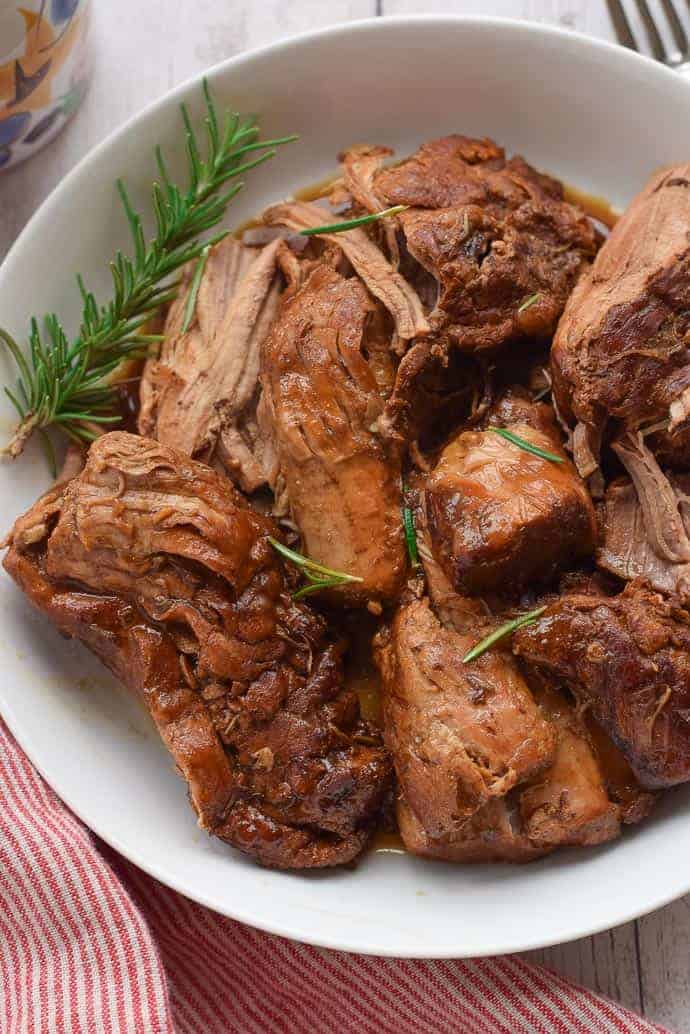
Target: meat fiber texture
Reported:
point(157, 564)
point(625, 549)
point(200, 393)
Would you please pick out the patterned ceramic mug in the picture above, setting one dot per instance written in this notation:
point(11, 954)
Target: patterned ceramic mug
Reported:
point(43, 71)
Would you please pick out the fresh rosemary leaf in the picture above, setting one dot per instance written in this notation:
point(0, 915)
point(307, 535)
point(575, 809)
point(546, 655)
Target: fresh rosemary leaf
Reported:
point(410, 533)
point(190, 306)
point(529, 302)
point(522, 443)
point(318, 576)
point(500, 633)
point(69, 383)
point(351, 224)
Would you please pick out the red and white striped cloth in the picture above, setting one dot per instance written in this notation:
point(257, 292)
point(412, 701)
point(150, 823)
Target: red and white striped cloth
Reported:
point(89, 943)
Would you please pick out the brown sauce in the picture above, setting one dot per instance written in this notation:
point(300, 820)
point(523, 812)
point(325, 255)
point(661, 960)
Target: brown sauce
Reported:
point(361, 673)
point(384, 842)
point(319, 189)
point(594, 206)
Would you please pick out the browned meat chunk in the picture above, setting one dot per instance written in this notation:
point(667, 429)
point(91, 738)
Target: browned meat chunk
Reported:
point(620, 352)
point(326, 370)
point(156, 563)
point(626, 550)
point(200, 394)
point(500, 517)
point(628, 657)
point(460, 735)
point(568, 803)
point(493, 233)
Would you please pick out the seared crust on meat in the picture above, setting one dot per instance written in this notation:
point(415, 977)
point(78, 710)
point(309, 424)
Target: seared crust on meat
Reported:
point(158, 565)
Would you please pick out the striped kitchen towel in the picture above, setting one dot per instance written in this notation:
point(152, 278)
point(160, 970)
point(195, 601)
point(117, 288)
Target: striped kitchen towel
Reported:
point(89, 943)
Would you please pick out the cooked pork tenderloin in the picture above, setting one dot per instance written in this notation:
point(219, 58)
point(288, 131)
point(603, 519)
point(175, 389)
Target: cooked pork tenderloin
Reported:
point(460, 735)
point(501, 518)
point(627, 657)
point(157, 564)
point(200, 394)
point(502, 244)
point(621, 351)
point(326, 370)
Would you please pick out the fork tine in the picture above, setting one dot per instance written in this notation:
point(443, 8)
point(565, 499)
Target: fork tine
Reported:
point(621, 24)
point(652, 31)
point(679, 34)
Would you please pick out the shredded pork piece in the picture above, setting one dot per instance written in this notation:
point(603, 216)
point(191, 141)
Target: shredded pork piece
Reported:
point(665, 529)
point(360, 167)
point(401, 300)
point(200, 395)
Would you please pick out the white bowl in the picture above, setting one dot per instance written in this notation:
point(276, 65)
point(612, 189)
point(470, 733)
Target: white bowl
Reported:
point(599, 116)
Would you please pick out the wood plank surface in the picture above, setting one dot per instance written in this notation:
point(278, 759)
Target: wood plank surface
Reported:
point(143, 49)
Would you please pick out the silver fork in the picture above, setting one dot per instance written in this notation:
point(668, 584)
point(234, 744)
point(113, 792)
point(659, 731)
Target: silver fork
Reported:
point(680, 59)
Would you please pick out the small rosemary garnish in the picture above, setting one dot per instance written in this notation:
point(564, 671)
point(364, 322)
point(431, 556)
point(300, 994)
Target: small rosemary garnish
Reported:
point(351, 224)
point(500, 633)
point(190, 304)
point(69, 383)
point(529, 302)
point(522, 443)
point(318, 576)
point(410, 532)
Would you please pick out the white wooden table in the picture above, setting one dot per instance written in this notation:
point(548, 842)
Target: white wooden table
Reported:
point(143, 49)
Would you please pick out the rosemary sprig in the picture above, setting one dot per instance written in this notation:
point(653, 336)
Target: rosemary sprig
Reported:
point(522, 443)
point(69, 383)
point(529, 302)
point(318, 576)
point(351, 224)
point(500, 633)
point(190, 304)
point(410, 532)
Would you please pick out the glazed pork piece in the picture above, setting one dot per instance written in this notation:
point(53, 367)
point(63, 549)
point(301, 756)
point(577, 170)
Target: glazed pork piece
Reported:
point(621, 350)
point(500, 518)
point(460, 735)
point(326, 370)
point(157, 564)
point(491, 232)
point(200, 393)
point(628, 658)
